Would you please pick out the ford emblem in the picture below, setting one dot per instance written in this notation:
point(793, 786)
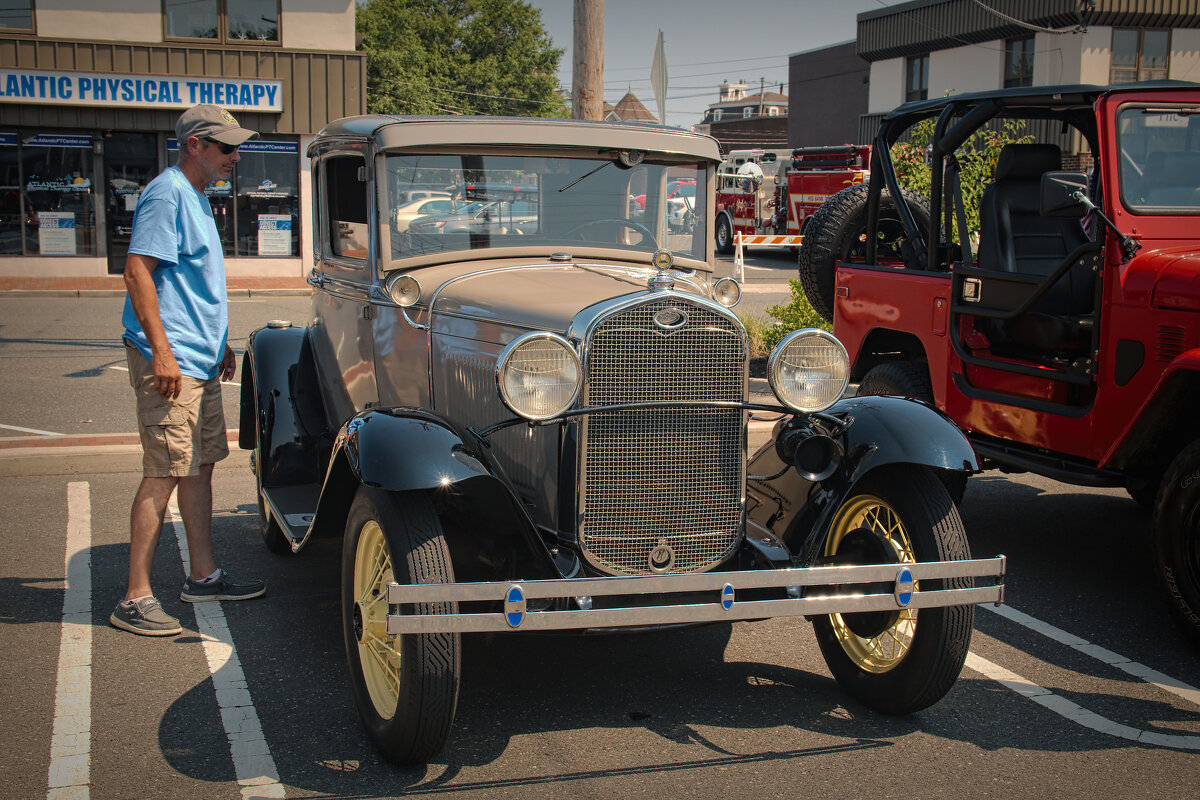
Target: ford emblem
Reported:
point(670, 319)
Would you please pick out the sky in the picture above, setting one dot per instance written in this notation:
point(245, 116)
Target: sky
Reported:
point(706, 42)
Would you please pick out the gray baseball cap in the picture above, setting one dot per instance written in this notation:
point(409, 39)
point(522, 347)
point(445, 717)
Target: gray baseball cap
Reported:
point(210, 122)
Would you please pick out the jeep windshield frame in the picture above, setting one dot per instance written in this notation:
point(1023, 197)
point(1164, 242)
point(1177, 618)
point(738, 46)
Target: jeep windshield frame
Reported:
point(1159, 158)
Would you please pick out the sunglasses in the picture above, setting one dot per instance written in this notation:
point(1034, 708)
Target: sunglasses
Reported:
point(226, 149)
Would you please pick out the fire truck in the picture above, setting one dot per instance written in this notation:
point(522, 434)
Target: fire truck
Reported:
point(769, 199)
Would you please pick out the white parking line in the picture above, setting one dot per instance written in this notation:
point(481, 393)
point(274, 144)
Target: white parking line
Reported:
point(252, 762)
point(30, 430)
point(70, 744)
point(1073, 711)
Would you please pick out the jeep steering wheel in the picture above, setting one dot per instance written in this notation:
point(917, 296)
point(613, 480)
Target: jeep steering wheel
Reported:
point(626, 223)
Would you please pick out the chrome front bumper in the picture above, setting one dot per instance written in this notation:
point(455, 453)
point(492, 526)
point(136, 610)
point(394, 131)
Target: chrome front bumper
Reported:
point(812, 587)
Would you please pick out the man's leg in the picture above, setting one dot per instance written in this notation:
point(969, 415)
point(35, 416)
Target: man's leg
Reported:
point(195, 506)
point(145, 526)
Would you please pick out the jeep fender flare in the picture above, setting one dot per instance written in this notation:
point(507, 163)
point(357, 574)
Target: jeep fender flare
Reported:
point(409, 449)
point(1164, 423)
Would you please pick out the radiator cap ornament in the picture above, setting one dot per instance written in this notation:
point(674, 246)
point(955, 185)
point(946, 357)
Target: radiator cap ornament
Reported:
point(662, 261)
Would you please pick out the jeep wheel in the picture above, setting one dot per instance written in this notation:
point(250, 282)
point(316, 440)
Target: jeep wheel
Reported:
point(724, 236)
point(835, 232)
point(911, 379)
point(897, 662)
point(1177, 538)
point(405, 686)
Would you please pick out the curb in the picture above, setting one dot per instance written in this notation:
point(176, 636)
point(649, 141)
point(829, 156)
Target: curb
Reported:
point(19, 462)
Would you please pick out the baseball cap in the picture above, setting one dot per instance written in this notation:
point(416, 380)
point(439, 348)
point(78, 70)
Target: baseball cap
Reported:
point(211, 122)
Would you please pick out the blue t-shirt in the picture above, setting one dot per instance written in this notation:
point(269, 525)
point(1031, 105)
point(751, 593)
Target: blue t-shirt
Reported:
point(173, 223)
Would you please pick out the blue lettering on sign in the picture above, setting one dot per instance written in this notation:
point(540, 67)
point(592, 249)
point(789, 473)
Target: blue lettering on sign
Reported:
point(90, 88)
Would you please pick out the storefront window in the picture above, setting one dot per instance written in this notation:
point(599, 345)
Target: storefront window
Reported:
point(59, 208)
point(263, 219)
point(16, 15)
point(268, 199)
point(10, 195)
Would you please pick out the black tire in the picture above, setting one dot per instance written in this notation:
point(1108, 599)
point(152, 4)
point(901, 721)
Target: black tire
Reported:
point(906, 660)
point(833, 232)
point(1177, 538)
point(911, 379)
point(724, 236)
point(408, 710)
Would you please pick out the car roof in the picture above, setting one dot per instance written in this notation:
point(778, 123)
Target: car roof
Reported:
point(415, 131)
point(1028, 100)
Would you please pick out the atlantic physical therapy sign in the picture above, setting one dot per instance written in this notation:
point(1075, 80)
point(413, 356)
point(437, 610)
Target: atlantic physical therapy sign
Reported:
point(119, 90)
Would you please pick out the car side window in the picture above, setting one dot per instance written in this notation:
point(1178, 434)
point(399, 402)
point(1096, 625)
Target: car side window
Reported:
point(346, 207)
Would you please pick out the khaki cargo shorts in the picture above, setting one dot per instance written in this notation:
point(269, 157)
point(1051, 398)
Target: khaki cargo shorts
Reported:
point(181, 435)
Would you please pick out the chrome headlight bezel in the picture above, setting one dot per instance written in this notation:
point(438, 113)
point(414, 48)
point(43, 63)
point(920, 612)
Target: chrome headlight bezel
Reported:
point(507, 361)
point(787, 356)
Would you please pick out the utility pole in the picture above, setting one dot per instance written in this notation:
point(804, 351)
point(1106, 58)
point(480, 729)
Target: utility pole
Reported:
point(762, 88)
point(587, 76)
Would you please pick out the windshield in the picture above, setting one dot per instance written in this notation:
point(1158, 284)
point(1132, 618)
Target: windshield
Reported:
point(1160, 159)
point(536, 200)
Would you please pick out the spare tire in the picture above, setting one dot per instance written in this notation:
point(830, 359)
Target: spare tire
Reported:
point(835, 233)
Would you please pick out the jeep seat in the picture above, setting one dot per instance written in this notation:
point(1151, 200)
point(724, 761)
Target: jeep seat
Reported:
point(1014, 237)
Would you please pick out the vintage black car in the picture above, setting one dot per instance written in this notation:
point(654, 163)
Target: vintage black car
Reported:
point(544, 427)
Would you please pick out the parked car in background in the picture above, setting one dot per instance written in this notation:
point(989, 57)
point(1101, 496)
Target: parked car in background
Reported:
point(497, 216)
point(424, 207)
point(547, 430)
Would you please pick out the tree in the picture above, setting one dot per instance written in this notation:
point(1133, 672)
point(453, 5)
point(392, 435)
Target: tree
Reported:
point(459, 57)
point(976, 158)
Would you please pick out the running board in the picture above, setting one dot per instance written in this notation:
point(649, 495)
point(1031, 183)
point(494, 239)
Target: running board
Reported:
point(804, 596)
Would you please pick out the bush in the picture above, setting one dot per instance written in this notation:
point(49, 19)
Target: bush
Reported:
point(792, 316)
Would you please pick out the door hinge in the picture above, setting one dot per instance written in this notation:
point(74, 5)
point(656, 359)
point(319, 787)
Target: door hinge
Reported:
point(367, 311)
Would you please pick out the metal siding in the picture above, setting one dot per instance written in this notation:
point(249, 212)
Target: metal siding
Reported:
point(928, 25)
point(337, 78)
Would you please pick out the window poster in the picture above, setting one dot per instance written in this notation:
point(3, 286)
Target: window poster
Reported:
point(56, 233)
point(274, 234)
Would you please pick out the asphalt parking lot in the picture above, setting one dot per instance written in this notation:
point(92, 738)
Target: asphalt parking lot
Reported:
point(1078, 687)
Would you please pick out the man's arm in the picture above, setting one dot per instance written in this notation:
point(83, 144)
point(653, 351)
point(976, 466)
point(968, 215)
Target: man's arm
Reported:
point(140, 285)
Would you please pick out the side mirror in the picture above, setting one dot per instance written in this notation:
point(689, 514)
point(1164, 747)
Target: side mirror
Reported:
point(1057, 197)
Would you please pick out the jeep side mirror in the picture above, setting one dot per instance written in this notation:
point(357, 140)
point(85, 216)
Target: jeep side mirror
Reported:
point(1058, 200)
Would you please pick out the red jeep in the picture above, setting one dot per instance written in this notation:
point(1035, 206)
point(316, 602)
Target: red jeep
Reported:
point(1066, 340)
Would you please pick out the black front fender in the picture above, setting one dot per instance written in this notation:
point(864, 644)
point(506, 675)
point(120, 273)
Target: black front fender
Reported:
point(488, 529)
point(881, 432)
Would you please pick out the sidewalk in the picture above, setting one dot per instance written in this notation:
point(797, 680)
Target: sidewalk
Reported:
point(113, 285)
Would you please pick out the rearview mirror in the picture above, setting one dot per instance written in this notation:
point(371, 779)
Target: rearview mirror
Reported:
point(1058, 199)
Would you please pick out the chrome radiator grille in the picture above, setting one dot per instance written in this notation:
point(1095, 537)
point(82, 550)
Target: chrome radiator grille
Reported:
point(663, 481)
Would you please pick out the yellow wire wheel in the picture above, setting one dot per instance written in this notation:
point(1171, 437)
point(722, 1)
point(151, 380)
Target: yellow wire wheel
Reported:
point(378, 653)
point(405, 686)
point(877, 652)
point(900, 660)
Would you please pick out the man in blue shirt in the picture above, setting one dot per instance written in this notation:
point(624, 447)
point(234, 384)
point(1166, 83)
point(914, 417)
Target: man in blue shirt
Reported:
point(176, 328)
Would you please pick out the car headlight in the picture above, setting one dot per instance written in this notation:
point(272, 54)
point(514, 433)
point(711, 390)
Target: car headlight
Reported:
point(808, 370)
point(539, 375)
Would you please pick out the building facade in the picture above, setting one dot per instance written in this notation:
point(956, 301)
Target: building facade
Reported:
point(741, 121)
point(929, 48)
point(89, 95)
point(827, 93)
